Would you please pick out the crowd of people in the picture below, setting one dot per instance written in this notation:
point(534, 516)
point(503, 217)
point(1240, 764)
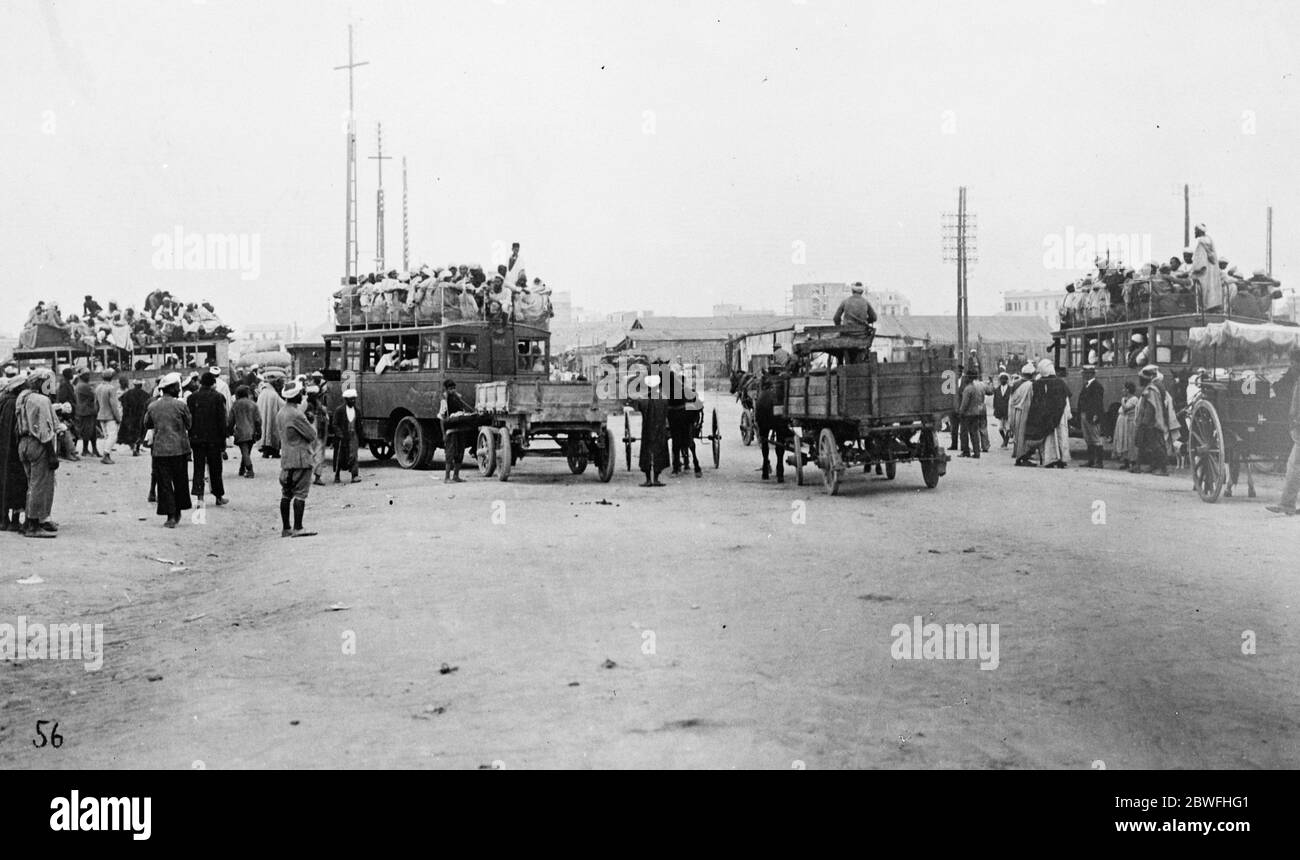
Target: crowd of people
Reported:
point(1198, 281)
point(163, 319)
point(185, 426)
point(458, 291)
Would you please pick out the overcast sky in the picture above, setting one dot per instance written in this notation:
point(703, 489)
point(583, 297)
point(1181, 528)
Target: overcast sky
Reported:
point(663, 155)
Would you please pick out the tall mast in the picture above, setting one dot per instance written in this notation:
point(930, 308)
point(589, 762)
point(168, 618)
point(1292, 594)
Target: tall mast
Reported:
point(350, 242)
point(406, 236)
point(379, 201)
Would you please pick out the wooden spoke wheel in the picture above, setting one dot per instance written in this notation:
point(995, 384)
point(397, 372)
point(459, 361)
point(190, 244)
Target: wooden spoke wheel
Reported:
point(930, 465)
point(716, 439)
point(506, 455)
point(830, 461)
point(575, 454)
point(486, 454)
point(628, 439)
point(1205, 438)
point(747, 429)
point(606, 458)
point(381, 450)
point(410, 443)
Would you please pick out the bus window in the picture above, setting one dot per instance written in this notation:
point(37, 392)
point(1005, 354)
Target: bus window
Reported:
point(1107, 355)
point(530, 355)
point(1138, 349)
point(371, 350)
point(406, 352)
point(1074, 356)
point(430, 352)
point(462, 352)
point(1171, 346)
point(351, 349)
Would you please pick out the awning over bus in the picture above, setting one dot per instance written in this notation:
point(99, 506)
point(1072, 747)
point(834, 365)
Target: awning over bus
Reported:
point(1237, 334)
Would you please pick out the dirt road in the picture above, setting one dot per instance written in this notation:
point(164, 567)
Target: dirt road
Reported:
point(554, 621)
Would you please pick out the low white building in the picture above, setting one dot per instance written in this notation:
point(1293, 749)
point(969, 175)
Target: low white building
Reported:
point(1034, 303)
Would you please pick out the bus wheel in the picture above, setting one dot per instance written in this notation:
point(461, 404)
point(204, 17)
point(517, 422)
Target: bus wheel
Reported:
point(410, 443)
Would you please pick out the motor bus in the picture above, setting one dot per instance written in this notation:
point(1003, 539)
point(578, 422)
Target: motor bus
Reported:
point(398, 374)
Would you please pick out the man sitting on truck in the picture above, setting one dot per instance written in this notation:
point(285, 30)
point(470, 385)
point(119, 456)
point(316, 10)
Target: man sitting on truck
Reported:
point(855, 310)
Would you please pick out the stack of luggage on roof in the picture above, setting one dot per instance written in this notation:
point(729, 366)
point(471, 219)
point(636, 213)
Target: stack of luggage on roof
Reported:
point(429, 296)
point(163, 320)
point(1199, 282)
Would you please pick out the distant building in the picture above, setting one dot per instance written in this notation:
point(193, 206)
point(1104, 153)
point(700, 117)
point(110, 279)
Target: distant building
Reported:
point(701, 341)
point(562, 304)
point(997, 340)
point(1034, 303)
point(820, 300)
point(7, 346)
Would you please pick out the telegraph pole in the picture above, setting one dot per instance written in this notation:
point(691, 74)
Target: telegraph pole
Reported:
point(1187, 215)
point(379, 201)
point(959, 248)
point(350, 242)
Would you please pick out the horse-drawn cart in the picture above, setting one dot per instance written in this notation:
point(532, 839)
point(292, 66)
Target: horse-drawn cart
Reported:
point(518, 412)
point(1242, 414)
point(856, 410)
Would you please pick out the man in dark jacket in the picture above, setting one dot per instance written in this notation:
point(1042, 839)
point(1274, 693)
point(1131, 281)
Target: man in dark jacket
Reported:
point(67, 397)
point(1092, 408)
point(169, 419)
point(13, 478)
point(347, 422)
point(970, 410)
point(1001, 401)
point(208, 436)
point(134, 402)
point(245, 426)
point(86, 413)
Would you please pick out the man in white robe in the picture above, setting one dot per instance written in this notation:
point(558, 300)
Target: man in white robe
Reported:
point(1205, 271)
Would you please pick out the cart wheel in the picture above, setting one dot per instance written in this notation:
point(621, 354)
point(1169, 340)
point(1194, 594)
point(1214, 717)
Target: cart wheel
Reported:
point(797, 450)
point(506, 456)
point(891, 469)
point(1206, 442)
point(487, 452)
point(747, 428)
point(931, 468)
point(410, 443)
point(717, 441)
point(607, 460)
point(575, 454)
point(627, 439)
point(381, 450)
point(830, 461)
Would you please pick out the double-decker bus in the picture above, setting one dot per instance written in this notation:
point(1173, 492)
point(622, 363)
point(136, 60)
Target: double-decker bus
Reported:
point(398, 374)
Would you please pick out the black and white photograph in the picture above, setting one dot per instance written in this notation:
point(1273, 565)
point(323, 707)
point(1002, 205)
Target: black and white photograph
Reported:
point(696, 385)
